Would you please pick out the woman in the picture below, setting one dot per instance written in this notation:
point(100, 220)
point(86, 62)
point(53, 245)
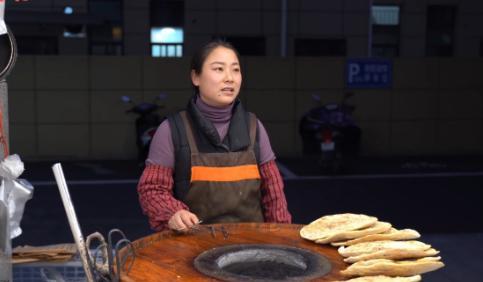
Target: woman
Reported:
point(212, 162)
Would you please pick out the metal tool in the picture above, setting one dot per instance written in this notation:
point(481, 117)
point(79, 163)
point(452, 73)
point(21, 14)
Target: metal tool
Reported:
point(73, 222)
point(106, 270)
point(103, 270)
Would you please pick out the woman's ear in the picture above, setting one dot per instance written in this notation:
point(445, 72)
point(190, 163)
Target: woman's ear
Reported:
point(195, 78)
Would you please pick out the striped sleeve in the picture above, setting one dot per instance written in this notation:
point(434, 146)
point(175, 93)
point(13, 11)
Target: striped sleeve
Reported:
point(273, 197)
point(155, 191)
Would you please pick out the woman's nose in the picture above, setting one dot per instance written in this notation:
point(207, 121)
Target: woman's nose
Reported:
point(228, 76)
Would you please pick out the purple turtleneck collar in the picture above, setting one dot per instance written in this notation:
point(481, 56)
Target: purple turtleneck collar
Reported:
point(214, 114)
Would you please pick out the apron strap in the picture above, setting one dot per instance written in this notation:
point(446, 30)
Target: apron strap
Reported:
point(189, 132)
point(253, 130)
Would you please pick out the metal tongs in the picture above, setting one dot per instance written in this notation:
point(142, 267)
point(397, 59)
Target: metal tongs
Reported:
point(95, 271)
point(105, 268)
point(198, 227)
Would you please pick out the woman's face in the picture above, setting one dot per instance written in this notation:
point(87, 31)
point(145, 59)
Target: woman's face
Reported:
point(220, 78)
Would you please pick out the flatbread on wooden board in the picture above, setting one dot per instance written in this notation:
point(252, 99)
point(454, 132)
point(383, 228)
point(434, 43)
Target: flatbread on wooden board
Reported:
point(381, 278)
point(393, 254)
point(378, 227)
point(328, 225)
point(392, 234)
point(393, 268)
point(371, 247)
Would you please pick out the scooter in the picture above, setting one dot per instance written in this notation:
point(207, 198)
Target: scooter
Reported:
point(147, 122)
point(330, 132)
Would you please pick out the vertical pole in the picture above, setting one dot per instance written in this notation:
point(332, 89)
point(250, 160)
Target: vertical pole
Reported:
point(5, 242)
point(283, 28)
point(369, 30)
point(4, 117)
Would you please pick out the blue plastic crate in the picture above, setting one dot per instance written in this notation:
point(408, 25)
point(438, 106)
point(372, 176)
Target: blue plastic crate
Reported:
point(71, 271)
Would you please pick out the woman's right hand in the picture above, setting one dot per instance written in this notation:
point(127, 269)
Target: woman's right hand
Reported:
point(182, 220)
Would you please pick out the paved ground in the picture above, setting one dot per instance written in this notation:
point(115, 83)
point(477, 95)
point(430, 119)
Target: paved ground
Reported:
point(442, 198)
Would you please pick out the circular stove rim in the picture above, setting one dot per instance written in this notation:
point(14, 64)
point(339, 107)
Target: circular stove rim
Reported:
point(318, 260)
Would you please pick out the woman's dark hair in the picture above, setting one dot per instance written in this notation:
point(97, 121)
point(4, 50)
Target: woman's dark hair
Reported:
point(199, 57)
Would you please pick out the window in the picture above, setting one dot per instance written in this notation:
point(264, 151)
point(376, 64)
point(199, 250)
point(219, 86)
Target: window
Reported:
point(106, 37)
point(166, 42)
point(74, 31)
point(167, 19)
point(385, 31)
point(440, 30)
point(247, 46)
point(37, 45)
point(320, 47)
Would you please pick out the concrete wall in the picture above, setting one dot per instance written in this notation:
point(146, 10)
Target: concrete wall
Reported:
point(343, 19)
point(346, 19)
point(69, 107)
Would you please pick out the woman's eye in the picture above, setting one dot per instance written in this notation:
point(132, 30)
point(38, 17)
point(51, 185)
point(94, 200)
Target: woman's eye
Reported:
point(219, 69)
point(236, 70)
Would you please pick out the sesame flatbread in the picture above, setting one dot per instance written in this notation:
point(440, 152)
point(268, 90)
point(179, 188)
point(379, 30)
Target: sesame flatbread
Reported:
point(393, 268)
point(381, 278)
point(376, 246)
point(395, 254)
point(392, 234)
point(328, 225)
point(378, 227)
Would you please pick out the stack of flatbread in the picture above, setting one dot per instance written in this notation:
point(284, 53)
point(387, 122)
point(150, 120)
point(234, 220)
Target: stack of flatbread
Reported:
point(378, 252)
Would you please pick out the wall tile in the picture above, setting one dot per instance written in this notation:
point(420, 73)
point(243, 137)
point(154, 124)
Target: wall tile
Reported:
point(281, 135)
point(21, 106)
point(319, 73)
point(372, 105)
point(23, 140)
point(22, 75)
point(166, 73)
point(62, 106)
point(200, 21)
point(115, 73)
point(413, 24)
point(63, 141)
point(113, 141)
point(321, 5)
point(460, 104)
point(415, 104)
point(55, 72)
point(136, 44)
point(415, 73)
point(460, 137)
point(413, 137)
point(461, 73)
point(355, 24)
point(238, 23)
point(106, 106)
point(239, 5)
point(271, 105)
point(175, 100)
point(321, 24)
point(356, 5)
point(268, 73)
point(305, 101)
point(200, 5)
point(138, 20)
point(375, 138)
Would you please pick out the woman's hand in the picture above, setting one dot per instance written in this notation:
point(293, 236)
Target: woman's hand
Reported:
point(182, 220)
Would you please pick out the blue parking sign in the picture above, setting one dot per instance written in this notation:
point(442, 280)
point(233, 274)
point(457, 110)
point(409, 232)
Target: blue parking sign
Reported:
point(368, 73)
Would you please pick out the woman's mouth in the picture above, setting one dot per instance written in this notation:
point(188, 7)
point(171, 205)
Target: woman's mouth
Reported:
point(228, 90)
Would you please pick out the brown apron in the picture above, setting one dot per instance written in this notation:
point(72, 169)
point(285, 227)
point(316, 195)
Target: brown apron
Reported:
point(224, 187)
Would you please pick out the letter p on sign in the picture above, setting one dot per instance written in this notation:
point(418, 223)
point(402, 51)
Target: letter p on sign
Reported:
point(354, 70)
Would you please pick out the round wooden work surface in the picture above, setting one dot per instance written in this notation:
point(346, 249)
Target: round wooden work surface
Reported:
point(169, 256)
